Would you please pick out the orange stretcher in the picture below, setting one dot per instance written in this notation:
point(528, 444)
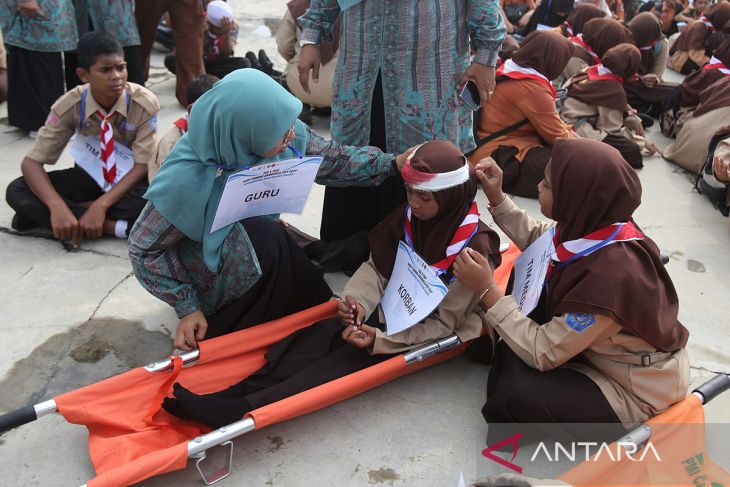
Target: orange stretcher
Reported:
point(131, 438)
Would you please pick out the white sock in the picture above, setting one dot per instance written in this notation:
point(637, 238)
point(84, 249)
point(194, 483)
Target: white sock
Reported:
point(120, 229)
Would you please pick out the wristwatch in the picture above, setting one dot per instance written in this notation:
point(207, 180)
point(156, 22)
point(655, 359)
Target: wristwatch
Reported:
point(304, 42)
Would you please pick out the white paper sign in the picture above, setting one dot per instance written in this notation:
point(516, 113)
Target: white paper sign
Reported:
point(86, 152)
point(413, 291)
point(268, 189)
point(530, 271)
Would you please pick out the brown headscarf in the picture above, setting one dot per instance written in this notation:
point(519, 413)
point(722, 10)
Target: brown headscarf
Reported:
point(579, 16)
point(623, 60)
point(625, 281)
point(695, 37)
point(545, 51)
point(327, 50)
point(602, 35)
point(715, 96)
point(695, 83)
point(646, 29)
point(432, 237)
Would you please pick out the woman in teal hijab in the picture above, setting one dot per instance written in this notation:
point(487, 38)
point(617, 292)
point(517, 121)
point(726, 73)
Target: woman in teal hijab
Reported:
point(250, 271)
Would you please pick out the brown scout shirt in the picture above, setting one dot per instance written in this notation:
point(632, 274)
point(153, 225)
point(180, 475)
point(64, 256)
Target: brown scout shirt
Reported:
point(638, 380)
point(164, 146)
point(134, 124)
point(458, 313)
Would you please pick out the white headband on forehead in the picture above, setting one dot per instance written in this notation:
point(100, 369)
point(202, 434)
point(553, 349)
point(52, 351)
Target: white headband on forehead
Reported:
point(423, 181)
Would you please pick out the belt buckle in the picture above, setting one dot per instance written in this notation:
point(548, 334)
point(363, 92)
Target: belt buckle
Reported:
point(646, 360)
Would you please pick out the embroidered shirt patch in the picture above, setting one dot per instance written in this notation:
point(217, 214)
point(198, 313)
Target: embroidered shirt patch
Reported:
point(580, 321)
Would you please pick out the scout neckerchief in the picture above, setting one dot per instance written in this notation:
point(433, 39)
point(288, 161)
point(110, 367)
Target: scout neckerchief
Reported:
point(717, 64)
point(459, 240)
point(578, 41)
point(707, 23)
point(601, 72)
point(182, 124)
point(216, 46)
point(572, 250)
point(513, 70)
point(106, 136)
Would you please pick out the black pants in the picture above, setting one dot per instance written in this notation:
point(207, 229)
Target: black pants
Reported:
point(347, 211)
point(135, 74)
point(303, 360)
point(74, 186)
point(35, 82)
point(517, 393)
point(522, 177)
point(629, 149)
point(289, 282)
point(647, 100)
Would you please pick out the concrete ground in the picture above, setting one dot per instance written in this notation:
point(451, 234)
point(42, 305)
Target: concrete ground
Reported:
point(73, 318)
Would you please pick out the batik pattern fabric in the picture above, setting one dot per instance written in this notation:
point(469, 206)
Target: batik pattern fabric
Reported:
point(54, 31)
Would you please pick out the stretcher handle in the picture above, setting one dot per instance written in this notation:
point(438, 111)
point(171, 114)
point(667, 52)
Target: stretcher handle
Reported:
point(16, 418)
point(713, 387)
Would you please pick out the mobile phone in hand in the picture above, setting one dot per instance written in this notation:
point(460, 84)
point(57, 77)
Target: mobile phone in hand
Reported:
point(469, 94)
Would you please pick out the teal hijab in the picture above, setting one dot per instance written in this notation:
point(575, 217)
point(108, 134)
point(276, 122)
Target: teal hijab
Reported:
point(242, 117)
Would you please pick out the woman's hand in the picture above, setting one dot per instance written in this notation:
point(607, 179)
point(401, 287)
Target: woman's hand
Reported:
point(360, 336)
point(30, 8)
point(350, 311)
point(310, 59)
point(483, 77)
point(400, 159)
point(473, 270)
point(190, 330)
point(490, 175)
point(650, 80)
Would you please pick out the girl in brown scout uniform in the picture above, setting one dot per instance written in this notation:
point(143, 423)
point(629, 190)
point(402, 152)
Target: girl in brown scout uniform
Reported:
point(440, 219)
point(604, 344)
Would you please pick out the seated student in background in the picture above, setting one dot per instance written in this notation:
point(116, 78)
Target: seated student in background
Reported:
point(581, 14)
point(516, 14)
point(647, 92)
point(597, 108)
point(219, 42)
point(548, 15)
point(287, 42)
point(603, 343)
point(694, 46)
point(598, 36)
point(250, 271)
point(440, 218)
point(115, 124)
point(523, 93)
point(195, 90)
point(689, 150)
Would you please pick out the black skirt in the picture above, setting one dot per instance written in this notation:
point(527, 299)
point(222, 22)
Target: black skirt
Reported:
point(35, 82)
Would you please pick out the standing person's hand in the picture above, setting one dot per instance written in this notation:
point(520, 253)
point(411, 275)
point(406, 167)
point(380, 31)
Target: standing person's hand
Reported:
point(400, 160)
point(483, 77)
point(190, 331)
point(91, 223)
point(490, 175)
point(310, 59)
point(30, 8)
point(362, 336)
point(65, 225)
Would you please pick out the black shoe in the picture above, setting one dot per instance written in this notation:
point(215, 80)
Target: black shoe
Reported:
point(646, 120)
point(266, 65)
point(253, 60)
point(170, 63)
point(22, 223)
point(306, 115)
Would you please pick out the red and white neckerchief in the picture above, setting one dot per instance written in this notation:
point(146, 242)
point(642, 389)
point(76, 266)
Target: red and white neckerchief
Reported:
point(572, 250)
point(459, 240)
point(717, 64)
point(649, 47)
point(578, 41)
point(217, 45)
point(513, 70)
point(568, 29)
point(601, 72)
point(108, 160)
point(707, 22)
point(182, 124)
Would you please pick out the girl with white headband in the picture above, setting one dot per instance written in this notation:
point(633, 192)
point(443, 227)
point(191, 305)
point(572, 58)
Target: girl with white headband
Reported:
point(440, 219)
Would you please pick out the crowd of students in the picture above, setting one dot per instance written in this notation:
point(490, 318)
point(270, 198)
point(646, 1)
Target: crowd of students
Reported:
point(564, 107)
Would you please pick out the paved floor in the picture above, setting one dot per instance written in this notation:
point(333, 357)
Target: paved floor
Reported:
point(72, 318)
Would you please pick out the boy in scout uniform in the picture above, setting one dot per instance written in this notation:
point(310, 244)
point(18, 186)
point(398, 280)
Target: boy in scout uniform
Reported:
point(115, 124)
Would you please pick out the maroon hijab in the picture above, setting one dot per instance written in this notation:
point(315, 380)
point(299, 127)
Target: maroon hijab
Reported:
point(695, 37)
point(432, 237)
point(623, 60)
point(646, 29)
point(327, 50)
point(579, 16)
point(545, 51)
point(601, 35)
point(695, 83)
point(593, 187)
point(715, 96)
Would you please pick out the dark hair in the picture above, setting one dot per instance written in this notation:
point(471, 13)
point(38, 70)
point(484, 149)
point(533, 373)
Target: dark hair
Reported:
point(200, 85)
point(95, 44)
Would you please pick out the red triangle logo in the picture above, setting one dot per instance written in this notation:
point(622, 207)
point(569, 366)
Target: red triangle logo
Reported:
point(512, 440)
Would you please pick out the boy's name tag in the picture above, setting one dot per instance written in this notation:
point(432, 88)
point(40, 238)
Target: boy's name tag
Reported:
point(413, 291)
point(86, 152)
point(268, 189)
point(530, 271)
